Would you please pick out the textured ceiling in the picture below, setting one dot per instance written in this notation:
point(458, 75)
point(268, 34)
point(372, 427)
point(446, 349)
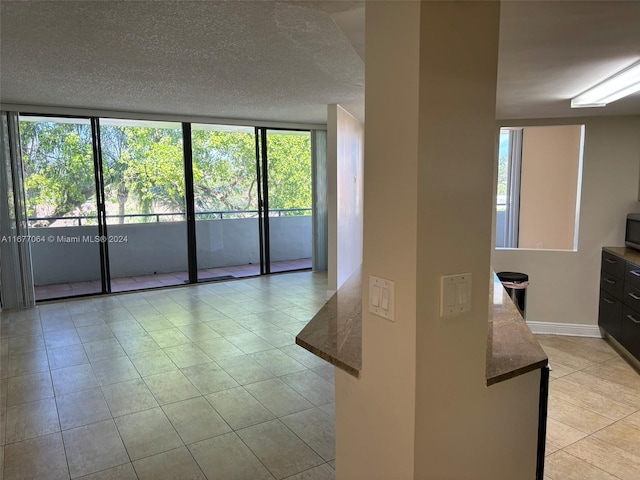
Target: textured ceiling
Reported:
point(284, 60)
point(259, 60)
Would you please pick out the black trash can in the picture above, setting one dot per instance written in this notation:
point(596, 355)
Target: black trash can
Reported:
point(516, 283)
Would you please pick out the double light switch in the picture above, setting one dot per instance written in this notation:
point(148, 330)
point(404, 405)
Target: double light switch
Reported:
point(455, 294)
point(381, 297)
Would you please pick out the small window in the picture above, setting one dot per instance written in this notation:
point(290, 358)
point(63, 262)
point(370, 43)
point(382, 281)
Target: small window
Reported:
point(538, 187)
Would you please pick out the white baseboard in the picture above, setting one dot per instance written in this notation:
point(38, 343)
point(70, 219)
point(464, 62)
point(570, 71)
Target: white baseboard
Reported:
point(570, 329)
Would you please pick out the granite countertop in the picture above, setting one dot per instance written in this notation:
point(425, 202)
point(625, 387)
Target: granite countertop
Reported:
point(628, 254)
point(335, 334)
point(512, 349)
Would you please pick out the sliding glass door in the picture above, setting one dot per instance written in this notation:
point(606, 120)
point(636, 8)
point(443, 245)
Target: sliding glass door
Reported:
point(226, 201)
point(62, 206)
point(117, 205)
point(289, 199)
point(145, 203)
point(252, 193)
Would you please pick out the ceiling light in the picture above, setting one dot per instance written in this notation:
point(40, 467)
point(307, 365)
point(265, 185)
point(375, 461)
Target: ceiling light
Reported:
point(617, 86)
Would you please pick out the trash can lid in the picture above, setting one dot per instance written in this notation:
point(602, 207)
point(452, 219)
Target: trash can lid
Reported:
point(515, 277)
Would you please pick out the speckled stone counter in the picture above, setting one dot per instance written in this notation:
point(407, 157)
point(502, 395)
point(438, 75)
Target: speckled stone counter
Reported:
point(628, 254)
point(335, 332)
point(512, 349)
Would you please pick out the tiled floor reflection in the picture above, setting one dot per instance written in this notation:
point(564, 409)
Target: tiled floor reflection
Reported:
point(142, 282)
point(200, 382)
point(593, 430)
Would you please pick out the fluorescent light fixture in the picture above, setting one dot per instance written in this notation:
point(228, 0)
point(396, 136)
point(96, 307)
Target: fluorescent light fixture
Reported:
point(617, 86)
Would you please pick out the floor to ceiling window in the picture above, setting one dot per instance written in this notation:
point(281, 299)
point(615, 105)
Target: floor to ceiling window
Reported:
point(145, 203)
point(60, 192)
point(111, 200)
point(226, 201)
point(289, 185)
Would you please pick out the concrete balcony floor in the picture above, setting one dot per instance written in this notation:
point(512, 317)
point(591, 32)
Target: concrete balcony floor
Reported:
point(142, 282)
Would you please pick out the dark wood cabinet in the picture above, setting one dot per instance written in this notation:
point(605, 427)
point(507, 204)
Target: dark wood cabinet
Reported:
point(611, 284)
point(631, 331)
point(619, 310)
point(610, 315)
point(613, 264)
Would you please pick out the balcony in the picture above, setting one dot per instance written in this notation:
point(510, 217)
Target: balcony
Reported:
point(154, 253)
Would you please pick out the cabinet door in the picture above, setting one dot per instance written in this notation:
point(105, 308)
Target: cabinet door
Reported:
point(631, 331)
point(610, 314)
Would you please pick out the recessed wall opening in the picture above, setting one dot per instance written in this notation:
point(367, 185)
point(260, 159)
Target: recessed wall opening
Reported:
point(538, 187)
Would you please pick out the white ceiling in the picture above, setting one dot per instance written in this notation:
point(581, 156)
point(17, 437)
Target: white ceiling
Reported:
point(283, 60)
point(550, 51)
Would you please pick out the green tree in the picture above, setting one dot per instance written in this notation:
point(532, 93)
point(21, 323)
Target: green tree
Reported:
point(224, 170)
point(145, 163)
point(289, 171)
point(58, 168)
point(114, 160)
point(143, 169)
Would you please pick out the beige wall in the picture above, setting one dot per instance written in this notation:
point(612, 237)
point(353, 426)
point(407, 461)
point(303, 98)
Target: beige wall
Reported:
point(375, 414)
point(421, 409)
point(345, 145)
point(464, 430)
point(564, 285)
point(549, 184)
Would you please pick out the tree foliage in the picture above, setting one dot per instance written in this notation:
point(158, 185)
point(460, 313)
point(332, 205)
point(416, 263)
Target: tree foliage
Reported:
point(143, 169)
point(145, 163)
point(224, 171)
point(57, 167)
point(289, 171)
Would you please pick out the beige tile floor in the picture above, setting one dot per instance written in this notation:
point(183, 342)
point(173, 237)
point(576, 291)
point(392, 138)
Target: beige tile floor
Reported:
point(198, 382)
point(593, 429)
point(206, 382)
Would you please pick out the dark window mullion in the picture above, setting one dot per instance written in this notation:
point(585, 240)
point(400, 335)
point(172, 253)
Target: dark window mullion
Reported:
point(190, 203)
point(258, 136)
point(105, 273)
point(265, 195)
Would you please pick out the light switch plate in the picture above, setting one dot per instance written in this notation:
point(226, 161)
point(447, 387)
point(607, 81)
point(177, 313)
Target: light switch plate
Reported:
point(382, 297)
point(455, 294)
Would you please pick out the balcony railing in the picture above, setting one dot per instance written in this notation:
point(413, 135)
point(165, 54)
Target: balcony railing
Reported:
point(173, 216)
point(68, 253)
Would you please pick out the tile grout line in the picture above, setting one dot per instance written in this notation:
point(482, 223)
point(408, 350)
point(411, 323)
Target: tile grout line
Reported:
point(595, 466)
point(251, 450)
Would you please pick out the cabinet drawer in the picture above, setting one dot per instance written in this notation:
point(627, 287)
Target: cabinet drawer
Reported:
point(613, 265)
point(631, 298)
point(632, 275)
point(611, 284)
point(631, 331)
point(610, 315)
